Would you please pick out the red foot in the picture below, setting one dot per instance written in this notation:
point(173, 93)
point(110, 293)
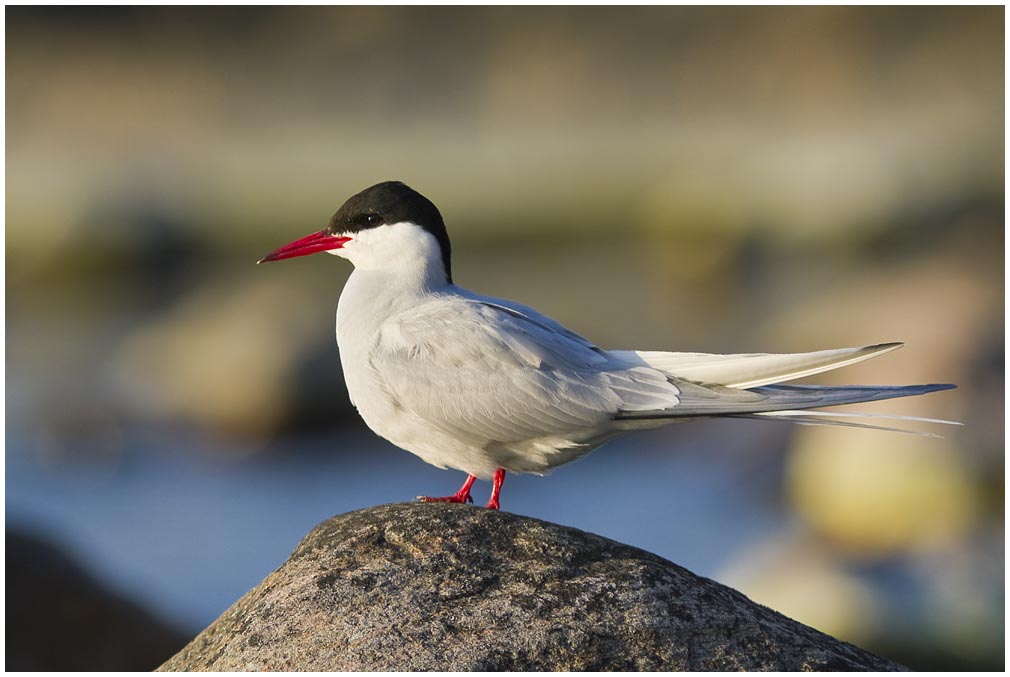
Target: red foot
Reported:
point(461, 496)
point(499, 478)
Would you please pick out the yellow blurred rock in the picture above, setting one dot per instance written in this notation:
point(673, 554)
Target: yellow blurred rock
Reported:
point(878, 494)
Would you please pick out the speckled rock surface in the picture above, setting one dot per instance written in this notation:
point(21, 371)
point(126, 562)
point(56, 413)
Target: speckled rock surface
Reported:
point(449, 587)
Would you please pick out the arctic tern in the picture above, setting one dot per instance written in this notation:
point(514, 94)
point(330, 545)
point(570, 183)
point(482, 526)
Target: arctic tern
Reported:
point(486, 386)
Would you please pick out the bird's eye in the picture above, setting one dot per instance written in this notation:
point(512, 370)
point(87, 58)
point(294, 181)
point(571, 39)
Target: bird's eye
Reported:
point(374, 219)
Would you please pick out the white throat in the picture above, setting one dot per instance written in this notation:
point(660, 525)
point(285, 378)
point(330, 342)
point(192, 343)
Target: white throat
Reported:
point(403, 256)
point(396, 267)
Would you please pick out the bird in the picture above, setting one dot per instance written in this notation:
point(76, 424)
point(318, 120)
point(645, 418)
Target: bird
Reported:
point(489, 386)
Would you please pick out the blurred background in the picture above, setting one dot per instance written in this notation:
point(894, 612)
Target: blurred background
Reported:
point(718, 180)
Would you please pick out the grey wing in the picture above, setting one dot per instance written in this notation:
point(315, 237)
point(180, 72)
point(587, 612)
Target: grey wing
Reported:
point(486, 371)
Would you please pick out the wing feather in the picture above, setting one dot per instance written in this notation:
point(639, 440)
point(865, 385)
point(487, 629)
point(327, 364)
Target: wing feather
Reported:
point(495, 374)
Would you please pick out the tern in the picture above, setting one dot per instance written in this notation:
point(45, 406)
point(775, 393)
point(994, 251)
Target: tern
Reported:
point(489, 386)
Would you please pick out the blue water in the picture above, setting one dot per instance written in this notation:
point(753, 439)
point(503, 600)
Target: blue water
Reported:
point(186, 532)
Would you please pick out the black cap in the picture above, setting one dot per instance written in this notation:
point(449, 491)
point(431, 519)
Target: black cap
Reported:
point(392, 202)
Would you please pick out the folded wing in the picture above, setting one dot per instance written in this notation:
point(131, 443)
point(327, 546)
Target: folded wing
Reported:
point(488, 373)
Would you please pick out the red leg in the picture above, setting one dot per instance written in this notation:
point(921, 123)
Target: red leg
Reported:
point(499, 478)
point(461, 496)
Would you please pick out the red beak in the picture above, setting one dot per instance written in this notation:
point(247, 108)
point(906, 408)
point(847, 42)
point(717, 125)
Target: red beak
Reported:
point(310, 244)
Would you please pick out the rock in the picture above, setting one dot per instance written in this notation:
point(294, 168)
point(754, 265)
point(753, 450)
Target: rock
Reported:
point(59, 618)
point(451, 587)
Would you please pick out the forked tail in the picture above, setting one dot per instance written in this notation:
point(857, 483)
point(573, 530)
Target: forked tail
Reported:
point(748, 386)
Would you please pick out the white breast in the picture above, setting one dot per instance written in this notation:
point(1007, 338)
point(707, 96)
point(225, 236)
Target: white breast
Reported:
point(364, 306)
point(368, 300)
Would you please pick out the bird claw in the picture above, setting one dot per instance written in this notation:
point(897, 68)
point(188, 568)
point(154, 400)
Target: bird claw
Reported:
point(461, 496)
point(446, 499)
